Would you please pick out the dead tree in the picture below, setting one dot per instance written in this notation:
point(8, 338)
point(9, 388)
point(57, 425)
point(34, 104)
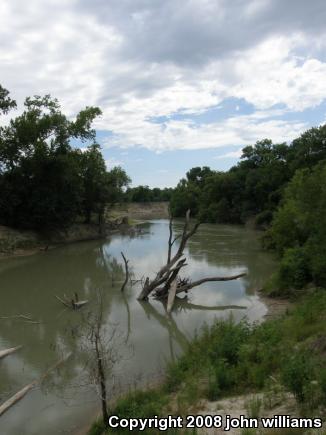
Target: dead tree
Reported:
point(166, 279)
point(98, 342)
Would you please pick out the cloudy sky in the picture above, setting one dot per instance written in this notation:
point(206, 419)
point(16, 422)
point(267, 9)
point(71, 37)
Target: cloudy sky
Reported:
point(181, 83)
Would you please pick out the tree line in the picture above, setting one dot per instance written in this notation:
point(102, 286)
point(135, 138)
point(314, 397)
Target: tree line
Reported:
point(45, 183)
point(146, 194)
point(283, 189)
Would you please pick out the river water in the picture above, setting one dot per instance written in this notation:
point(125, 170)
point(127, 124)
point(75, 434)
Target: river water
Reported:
point(145, 337)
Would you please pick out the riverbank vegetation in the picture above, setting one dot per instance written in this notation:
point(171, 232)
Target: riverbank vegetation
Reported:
point(227, 359)
point(283, 188)
point(46, 183)
point(146, 194)
point(298, 232)
point(252, 188)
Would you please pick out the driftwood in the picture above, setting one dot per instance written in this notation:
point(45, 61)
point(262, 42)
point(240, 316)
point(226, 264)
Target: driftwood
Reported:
point(7, 352)
point(17, 316)
point(166, 283)
point(74, 303)
point(164, 273)
point(161, 293)
point(4, 407)
point(127, 272)
point(23, 318)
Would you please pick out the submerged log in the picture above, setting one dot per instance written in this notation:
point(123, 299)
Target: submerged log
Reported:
point(16, 398)
point(75, 304)
point(79, 304)
point(17, 316)
point(4, 407)
point(6, 352)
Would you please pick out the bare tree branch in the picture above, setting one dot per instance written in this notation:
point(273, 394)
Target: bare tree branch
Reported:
point(191, 285)
point(167, 275)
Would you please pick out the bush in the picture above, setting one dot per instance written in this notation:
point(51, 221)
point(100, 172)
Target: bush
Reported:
point(263, 219)
point(143, 404)
point(297, 374)
point(294, 269)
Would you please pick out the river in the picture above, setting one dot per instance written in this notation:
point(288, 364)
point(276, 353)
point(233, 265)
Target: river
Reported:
point(145, 337)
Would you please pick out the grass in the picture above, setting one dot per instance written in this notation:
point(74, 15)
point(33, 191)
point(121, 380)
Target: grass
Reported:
point(284, 354)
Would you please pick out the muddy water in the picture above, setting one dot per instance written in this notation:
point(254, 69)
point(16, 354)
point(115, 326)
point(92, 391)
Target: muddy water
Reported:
point(145, 338)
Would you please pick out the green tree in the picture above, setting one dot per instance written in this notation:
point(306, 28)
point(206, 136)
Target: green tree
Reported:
point(45, 183)
point(298, 228)
point(6, 103)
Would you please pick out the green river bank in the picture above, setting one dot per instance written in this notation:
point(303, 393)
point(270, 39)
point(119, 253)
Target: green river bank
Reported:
point(259, 370)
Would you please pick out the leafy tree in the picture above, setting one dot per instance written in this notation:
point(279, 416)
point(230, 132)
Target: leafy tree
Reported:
point(146, 194)
point(95, 191)
point(45, 183)
point(6, 103)
point(298, 229)
point(309, 149)
point(116, 181)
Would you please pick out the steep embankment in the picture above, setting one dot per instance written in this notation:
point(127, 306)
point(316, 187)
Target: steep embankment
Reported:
point(23, 242)
point(140, 210)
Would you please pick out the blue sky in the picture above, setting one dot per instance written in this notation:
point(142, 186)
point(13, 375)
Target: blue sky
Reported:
point(165, 168)
point(180, 84)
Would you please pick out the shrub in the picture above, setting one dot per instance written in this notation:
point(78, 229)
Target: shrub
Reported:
point(294, 269)
point(264, 219)
point(297, 374)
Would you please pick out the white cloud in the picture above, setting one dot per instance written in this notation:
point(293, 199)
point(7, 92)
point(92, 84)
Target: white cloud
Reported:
point(112, 162)
point(139, 60)
point(230, 155)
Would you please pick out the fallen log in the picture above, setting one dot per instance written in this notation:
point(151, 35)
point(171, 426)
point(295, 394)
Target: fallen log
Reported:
point(16, 398)
point(4, 407)
point(66, 303)
point(79, 304)
point(17, 316)
point(75, 304)
point(6, 352)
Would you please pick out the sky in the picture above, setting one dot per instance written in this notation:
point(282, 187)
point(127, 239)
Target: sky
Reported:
point(181, 83)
